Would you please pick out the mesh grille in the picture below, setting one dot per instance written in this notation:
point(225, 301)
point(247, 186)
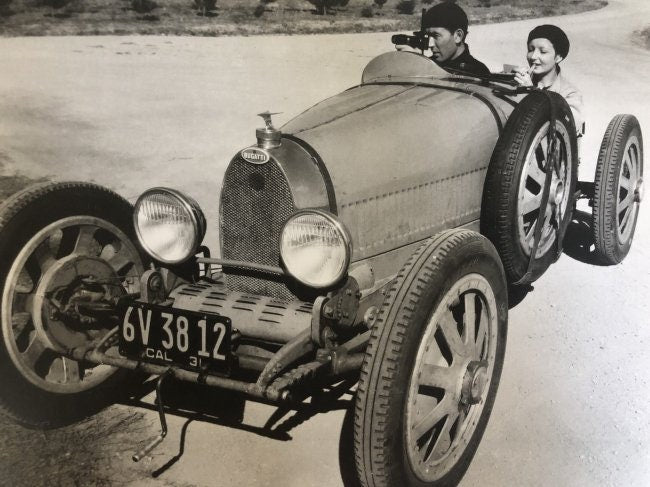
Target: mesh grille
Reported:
point(255, 204)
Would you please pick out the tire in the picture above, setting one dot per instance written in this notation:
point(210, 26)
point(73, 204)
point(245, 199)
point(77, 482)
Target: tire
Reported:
point(420, 333)
point(618, 189)
point(514, 185)
point(53, 236)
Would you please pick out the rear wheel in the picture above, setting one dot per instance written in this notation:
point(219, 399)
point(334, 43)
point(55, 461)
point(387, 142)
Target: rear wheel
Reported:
point(618, 189)
point(66, 256)
point(433, 365)
point(513, 190)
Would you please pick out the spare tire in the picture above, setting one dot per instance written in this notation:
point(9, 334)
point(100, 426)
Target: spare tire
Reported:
point(514, 186)
point(618, 189)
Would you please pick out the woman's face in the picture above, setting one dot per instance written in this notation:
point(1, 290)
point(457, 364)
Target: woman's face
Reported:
point(542, 55)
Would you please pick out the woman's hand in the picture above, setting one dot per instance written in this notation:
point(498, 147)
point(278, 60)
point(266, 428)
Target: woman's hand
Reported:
point(522, 76)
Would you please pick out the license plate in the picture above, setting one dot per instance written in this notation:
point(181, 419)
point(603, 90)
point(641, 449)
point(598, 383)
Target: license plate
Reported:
point(171, 336)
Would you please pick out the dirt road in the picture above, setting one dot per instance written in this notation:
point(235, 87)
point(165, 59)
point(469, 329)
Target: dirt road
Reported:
point(134, 112)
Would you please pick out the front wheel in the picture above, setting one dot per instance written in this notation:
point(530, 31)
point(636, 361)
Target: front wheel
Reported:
point(66, 257)
point(433, 364)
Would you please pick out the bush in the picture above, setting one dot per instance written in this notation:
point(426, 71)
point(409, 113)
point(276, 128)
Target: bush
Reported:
point(645, 36)
point(5, 10)
point(380, 3)
point(259, 10)
point(367, 12)
point(323, 6)
point(205, 6)
point(53, 3)
point(143, 6)
point(406, 7)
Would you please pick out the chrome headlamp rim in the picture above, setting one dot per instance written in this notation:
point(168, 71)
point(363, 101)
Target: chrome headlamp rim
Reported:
point(197, 219)
point(344, 233)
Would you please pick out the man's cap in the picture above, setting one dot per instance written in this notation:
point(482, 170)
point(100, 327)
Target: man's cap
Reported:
point(447, 15)
point(554, 34)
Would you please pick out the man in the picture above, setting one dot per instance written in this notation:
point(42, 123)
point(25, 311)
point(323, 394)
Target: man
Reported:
point(446, 24)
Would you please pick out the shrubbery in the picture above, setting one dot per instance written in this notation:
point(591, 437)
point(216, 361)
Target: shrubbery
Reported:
point(367, 12)
point(323, 6)
point(143, 6)
point(5, 11)
point(406, 7)
point(205, 6)
point(53, 3)
point(259, 10)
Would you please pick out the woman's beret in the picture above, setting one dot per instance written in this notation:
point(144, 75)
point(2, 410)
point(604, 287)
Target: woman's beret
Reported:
point(554, 34)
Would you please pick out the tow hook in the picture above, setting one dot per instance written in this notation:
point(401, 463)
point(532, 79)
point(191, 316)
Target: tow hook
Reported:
point(163, 422)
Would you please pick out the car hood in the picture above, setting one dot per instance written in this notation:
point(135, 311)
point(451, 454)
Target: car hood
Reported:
point(406, 159)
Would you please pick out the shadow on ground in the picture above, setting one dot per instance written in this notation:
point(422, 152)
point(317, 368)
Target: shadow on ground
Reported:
point(198, 403)
point(579, 239)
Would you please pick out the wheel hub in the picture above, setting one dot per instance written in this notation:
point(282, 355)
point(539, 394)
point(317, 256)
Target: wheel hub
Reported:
point(58, 289)
point(474, 382)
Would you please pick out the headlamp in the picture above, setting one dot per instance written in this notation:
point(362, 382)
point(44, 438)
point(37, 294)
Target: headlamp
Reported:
point(315, 248)
point(169, 224)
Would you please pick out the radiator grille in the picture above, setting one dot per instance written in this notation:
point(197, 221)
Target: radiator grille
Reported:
point(255, 204)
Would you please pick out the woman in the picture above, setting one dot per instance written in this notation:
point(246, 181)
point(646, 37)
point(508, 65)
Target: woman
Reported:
point(548, 45)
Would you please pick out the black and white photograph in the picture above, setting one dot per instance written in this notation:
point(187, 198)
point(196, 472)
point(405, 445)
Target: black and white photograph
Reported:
point(328, 243)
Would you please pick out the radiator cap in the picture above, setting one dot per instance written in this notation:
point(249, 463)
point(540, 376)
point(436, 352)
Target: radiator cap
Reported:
point(268, 137)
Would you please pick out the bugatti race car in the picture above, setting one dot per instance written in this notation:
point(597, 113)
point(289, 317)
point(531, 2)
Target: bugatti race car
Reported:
point(376, 236)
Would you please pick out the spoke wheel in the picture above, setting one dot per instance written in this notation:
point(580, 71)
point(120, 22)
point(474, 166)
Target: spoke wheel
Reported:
point(433, 364)
point(451, 377)
point(43, 279)
point(66, 256)
point(514, 186)
point(531, 186)
point(618, 188)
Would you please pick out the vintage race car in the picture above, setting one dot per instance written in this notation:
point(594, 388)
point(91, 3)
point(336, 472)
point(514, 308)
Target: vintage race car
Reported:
point(375, 236)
